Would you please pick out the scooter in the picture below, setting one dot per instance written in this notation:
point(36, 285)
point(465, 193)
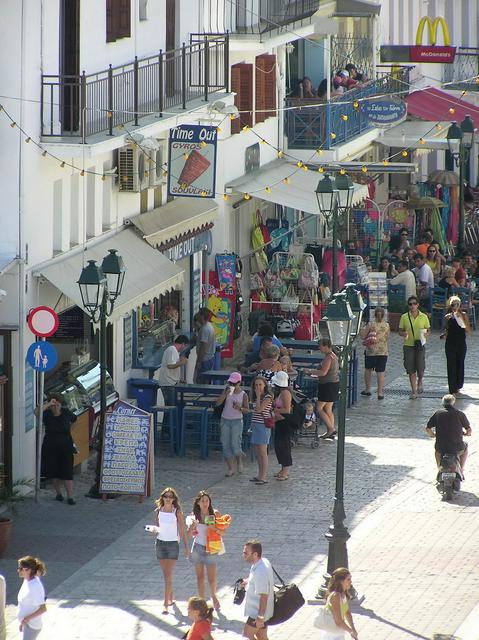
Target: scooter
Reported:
point(449, 476)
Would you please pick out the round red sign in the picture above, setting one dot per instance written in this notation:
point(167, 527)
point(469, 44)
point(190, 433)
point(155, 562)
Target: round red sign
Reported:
point(43, 321)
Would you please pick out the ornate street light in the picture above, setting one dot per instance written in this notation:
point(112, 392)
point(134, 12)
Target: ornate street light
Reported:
point(339, 321)
point(99, 289)
point(92, 283)
point(345, 187)
point(328, 196)
point(357, 305)
point(460, 140)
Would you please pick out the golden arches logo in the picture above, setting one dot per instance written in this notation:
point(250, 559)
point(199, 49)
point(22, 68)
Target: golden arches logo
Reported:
point(432, 26)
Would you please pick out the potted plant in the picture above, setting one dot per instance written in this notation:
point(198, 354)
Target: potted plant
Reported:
point(395, 311)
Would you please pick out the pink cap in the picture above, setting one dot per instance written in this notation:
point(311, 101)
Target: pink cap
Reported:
point(235, 377)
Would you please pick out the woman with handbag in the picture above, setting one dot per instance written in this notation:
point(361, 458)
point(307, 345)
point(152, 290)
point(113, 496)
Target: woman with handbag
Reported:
point(262, 423)
point(203, 518)
point(375, 337)
point(336, 619)
point(457, 327)
point(235, 403)
point(282, 407)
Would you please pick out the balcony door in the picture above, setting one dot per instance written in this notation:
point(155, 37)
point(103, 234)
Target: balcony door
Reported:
point(70, 64)
point(170, 45)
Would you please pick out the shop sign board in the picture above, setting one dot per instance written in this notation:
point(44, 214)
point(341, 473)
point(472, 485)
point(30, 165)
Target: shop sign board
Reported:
point(43, 321)
point(192, 161)
point(71, 324)
point(202, 242)
point(126, 452)
point(383, 112)
point(127, 343)
point(42, 356)
point(420, 52)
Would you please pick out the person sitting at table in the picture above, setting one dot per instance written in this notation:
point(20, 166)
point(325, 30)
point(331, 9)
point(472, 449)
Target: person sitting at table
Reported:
point(448, 280)
point(388, 267)
point(287, 365)
point(270, 364)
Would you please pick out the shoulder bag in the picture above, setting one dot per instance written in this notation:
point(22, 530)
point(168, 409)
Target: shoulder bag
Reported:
point(287, 600)
point(418, 346)
point(325, 620)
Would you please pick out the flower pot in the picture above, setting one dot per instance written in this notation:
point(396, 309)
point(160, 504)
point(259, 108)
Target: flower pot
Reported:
point(5, 531)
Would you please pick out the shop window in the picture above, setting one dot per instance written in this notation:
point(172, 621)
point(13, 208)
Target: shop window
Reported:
point(118, 19)
point(157, 323)
point(242, 86)
point(265, 79)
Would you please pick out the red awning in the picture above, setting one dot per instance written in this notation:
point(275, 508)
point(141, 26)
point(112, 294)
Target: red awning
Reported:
point(434, 105)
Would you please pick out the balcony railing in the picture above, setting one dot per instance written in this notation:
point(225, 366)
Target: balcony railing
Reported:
point(85, 105)
point(356, 49)
point(463, 71)
point(311, 127)
point(254, 16)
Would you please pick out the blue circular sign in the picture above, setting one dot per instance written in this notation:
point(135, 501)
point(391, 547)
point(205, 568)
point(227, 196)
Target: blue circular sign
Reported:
point(382, 112)
point(42, 356)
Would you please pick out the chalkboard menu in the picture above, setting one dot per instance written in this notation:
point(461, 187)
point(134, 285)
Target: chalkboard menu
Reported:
point(71, 324)
point(127, 343)
point(29, 397)
point(126, 450)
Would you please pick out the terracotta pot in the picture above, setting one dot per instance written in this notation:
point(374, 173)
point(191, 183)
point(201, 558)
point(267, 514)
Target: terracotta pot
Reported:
point(5, 531)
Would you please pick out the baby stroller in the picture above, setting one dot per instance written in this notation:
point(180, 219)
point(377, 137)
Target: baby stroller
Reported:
point(308, 433)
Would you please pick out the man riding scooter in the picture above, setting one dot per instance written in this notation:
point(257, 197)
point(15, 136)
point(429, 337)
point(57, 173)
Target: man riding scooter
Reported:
point(448, 426)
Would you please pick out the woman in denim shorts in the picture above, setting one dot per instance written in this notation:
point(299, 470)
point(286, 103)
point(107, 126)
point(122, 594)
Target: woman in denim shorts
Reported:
point(198, 524)
point(170, 528)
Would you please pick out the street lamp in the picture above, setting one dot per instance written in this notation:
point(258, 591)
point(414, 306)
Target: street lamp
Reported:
point(339, 322)
point(99, 289)
point(460, 140)
point(327, 195)
point(357, 304)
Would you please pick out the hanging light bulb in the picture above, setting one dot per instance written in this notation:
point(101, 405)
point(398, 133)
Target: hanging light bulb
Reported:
point(344, 117)
point(82, 173)
point(319, 152)
point(13, 125)
point(333, 135)
point(203, 194)
point(356, 104)
point(320, 169)
point(280, 154)
point(44, 154)
point(299, 164)
point(452, 110)
point(262, 141)
point(247, 196)
point(27, 140)
point(225, 197)
point(286, 180)
point(364, 169)
point(202, 144)
point(103, 177)
point(268, 189)
point(342, 171)
point(404, 153)
point(62, 164)
point(246, 128)
point(218, 129)
point(385, 162)
point(422, 141)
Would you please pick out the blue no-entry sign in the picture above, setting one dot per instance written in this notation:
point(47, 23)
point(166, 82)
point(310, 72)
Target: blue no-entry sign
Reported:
point(42, 356)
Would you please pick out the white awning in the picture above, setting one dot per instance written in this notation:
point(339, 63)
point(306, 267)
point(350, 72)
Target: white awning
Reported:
point(149, 273)
point(416, 135)
point(7, 262)
point(180, 216)
point(299, 193)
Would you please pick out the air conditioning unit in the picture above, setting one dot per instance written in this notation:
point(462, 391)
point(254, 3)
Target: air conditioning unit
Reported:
point(132, 169)
point(158, 159)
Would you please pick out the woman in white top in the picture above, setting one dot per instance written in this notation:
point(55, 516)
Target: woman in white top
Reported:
point(31, 597)
point(337, 605)
point(170, 528)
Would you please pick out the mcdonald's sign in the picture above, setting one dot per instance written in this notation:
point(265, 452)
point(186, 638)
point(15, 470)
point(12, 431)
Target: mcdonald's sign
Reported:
point(431, 52)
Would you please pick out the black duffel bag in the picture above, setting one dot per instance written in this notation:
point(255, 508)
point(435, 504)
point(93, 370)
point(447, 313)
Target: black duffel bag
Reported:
point(287, 600)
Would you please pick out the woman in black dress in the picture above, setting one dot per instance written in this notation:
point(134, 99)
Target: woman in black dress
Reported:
point(457, 325)
point(58, 446)
point(328, 387)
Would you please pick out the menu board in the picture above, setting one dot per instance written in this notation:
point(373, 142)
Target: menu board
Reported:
point(29, 397)
point(127, 343)
point(126, 452)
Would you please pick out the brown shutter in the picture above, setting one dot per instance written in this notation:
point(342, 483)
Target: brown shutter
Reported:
point(110, 21)
point(242, 85)
point(265, 103)
point(124, 19)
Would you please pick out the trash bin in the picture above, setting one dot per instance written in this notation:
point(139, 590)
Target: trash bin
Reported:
point(143, 391)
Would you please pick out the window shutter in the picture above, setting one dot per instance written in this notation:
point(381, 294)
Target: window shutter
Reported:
point(110, 23)
point(242, 85)
point(124, 19)
point(265, 76)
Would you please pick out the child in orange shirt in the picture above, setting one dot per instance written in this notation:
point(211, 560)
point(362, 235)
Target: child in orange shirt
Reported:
point(202, 616)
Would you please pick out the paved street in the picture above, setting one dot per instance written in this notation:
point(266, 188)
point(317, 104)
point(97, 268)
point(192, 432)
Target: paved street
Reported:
point(414, 558)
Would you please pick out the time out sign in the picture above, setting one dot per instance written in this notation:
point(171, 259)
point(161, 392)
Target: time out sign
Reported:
point(192, 161)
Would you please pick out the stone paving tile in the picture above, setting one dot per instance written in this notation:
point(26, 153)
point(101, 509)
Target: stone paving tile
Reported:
point(407, 549)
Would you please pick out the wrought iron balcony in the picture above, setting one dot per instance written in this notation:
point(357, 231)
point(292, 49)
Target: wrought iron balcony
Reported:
point(463, 72)
point(255, 16)
point(329, 124)
point(86, 105)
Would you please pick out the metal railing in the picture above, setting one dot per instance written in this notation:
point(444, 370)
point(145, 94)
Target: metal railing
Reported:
point(328, 124)
point(254, 16)
point(356, 49)
point(86, 105)
point(464, 69)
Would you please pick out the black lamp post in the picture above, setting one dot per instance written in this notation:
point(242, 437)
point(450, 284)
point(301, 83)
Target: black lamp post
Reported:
point(335, 196)
point(99, 289)
point(340, 323)
point(460, 140)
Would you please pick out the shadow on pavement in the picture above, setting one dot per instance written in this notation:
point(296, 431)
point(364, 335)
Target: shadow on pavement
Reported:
point(371, 614)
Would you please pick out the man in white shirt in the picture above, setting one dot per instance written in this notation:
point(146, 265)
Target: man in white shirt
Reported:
point(259, 601)
point(424, 276)
point(169, 373)
point(405, 277)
